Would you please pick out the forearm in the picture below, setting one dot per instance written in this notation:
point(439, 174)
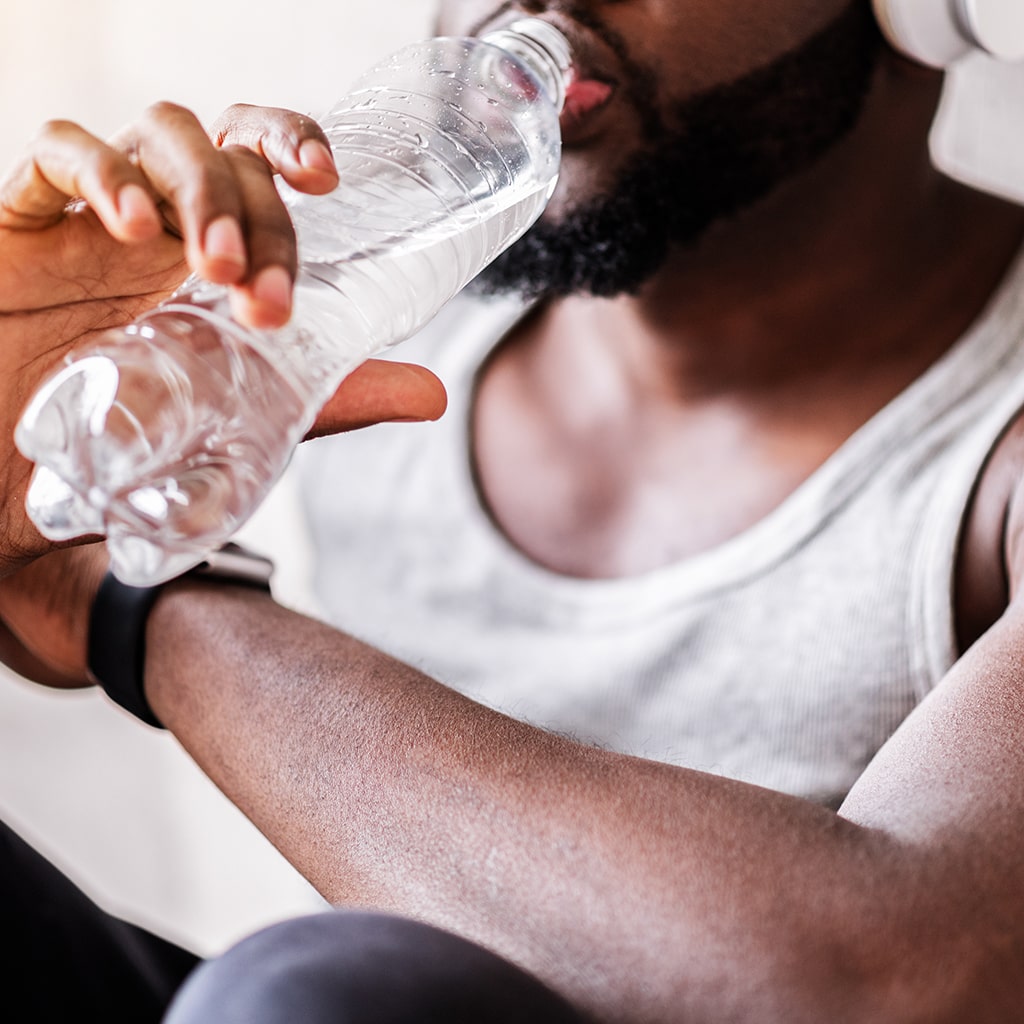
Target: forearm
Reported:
point(643, 891)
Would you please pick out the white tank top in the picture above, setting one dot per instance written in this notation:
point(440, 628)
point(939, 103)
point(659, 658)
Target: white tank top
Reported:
point(784, 657)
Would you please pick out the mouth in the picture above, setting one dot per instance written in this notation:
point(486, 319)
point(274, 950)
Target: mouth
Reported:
point(593, 81)
point(585, 98)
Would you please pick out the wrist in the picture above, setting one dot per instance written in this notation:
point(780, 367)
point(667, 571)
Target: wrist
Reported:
point(201, 637)
point(119, 621)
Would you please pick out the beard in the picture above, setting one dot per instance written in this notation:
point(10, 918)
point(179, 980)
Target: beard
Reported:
point(717, 153)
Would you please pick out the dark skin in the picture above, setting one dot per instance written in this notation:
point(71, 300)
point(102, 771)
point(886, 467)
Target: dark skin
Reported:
point(646, 892)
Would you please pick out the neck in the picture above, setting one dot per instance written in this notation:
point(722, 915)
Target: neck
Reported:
point(843, 275)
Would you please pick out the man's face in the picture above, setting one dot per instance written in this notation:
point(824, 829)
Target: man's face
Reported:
point(686, 111)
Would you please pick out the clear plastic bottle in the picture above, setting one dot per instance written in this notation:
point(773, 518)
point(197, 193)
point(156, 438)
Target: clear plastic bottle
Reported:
point(167, 434)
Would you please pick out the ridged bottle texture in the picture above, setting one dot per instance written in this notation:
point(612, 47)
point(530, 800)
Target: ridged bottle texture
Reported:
point(167, 434)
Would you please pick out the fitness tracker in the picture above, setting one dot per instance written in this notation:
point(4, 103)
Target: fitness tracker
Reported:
point(117, 624)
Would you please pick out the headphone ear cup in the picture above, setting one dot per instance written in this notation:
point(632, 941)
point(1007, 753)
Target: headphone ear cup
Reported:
point(927, 31)
point(996, 26)
point(938, 32)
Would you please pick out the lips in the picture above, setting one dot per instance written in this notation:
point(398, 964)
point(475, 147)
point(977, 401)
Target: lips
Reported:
point(593, 80)
point(584, 99)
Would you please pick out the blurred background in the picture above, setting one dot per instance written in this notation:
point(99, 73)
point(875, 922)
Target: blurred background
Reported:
point(103, 62)
point(117, 805)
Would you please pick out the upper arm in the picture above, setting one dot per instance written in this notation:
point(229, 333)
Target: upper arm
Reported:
point(948, 788)
point(966, 739)
point(946, 797)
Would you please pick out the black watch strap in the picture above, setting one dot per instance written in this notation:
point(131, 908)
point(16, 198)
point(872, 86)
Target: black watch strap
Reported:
point(117, 624)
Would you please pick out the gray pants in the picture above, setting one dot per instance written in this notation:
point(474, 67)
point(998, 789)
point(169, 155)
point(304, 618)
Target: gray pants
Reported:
point(65, 960)
point(360, 968)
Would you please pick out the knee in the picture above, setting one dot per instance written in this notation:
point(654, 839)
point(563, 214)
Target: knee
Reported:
point(348, 968)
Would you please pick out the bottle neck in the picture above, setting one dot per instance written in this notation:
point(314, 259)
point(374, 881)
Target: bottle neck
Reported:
point(543, 49)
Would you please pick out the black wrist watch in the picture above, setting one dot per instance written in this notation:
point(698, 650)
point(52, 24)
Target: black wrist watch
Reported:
point(117, 624)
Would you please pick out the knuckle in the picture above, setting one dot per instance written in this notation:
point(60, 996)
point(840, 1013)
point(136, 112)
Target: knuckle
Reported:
point(229, 121)
point(253, 126)
point(55, 128)
point(166, 112)
point(162, 109)
point(237, 112)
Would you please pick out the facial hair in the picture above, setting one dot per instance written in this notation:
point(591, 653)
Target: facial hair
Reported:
point(716, 154)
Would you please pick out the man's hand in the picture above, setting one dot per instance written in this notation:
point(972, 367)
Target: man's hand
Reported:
point(94, 233)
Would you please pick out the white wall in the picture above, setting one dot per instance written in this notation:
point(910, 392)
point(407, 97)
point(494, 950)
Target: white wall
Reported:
point(101, 62)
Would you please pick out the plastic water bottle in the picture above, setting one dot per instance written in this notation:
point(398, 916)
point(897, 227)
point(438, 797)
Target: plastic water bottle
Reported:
point(167, 434)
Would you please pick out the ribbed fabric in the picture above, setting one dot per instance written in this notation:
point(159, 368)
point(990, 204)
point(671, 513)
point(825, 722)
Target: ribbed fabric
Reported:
point(784, 657)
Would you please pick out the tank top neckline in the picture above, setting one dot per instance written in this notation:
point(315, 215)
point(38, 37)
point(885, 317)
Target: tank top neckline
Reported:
point(970, 361)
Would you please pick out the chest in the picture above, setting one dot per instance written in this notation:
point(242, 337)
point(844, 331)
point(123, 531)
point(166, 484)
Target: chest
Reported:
point(635, 491)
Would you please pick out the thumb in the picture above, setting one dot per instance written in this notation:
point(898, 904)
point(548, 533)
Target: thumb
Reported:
point(381, 391)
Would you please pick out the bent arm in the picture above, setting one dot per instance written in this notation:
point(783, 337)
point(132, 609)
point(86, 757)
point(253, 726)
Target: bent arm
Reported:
point(643, 891)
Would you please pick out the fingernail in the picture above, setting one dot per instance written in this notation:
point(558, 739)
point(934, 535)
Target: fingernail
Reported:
point(273, 287)
point(315, 156)
point(223, 241)
point(135, 204)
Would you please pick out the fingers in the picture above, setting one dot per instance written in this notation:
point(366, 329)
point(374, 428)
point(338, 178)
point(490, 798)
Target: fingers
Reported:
point(292, 145)
point(224, 203)
point(66, 162)
point(295, 147)
point(264, 298)
point(164, 170)
point(381, 391)
point(236, 229)
point(197, 185)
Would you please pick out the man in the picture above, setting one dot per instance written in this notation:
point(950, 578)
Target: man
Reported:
point(799, 420)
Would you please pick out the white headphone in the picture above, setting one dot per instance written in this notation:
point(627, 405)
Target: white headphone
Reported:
point(938, 32)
